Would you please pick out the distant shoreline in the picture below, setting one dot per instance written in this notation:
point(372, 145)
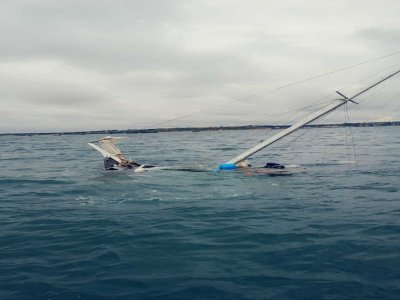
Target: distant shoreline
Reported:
point(198, 129)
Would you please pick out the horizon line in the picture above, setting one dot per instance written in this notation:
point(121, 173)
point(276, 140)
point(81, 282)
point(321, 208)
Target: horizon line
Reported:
point(204, 128)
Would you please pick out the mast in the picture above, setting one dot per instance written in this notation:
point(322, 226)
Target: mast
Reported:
point(288, 131)
point(316, 115)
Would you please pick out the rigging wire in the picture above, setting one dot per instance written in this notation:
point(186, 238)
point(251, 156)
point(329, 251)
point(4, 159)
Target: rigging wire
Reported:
point(273, 90)
point(298, 110)
point(351, 134)
point(319, 121)
point(346, 134)
point(285, 146)
point(347, 118)
point(262, 132)
point(388, 101)
point(371, 95)
point(384, 100)
point(348, 130)
point(303, 131)
point(373, 76)
point(397, 109)
point(347, 121)
point(382, 87)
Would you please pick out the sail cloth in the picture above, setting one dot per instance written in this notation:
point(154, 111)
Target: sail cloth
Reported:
point(106, 146)
point(113, 158)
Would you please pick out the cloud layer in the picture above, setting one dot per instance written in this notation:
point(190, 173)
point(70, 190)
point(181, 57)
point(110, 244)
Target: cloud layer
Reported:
point(85, 65)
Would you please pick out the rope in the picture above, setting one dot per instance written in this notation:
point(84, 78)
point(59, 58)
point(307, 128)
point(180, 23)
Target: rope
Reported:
point(351, 134)
point(346, 134)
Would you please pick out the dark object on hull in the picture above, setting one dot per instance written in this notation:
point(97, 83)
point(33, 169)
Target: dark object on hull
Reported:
point(272, 165)
point(109, 163)
point(112, 164)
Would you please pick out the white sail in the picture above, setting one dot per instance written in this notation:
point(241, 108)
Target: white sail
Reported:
point(107, 148)
point(113, 158)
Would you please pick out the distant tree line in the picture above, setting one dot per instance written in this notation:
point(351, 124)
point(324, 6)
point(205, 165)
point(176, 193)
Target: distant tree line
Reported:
point(211, 128)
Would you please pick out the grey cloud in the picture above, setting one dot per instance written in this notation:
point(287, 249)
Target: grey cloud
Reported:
point(126, 64)
point(104, 33)
point(384, 39)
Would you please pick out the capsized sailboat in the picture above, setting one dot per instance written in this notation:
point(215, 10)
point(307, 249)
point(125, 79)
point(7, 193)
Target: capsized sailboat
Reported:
point(115, 160)
point(240, 160)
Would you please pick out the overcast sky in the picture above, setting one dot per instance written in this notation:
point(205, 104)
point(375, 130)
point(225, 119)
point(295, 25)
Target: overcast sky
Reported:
point(87, 65)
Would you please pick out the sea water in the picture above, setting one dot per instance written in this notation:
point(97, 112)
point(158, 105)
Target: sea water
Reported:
point(70, 230)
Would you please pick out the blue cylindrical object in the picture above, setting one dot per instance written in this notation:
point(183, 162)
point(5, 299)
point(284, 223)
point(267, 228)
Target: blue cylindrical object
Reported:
point(227, 166)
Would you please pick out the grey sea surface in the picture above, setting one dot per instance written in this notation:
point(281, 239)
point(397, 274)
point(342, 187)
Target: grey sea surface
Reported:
point(70, 230)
